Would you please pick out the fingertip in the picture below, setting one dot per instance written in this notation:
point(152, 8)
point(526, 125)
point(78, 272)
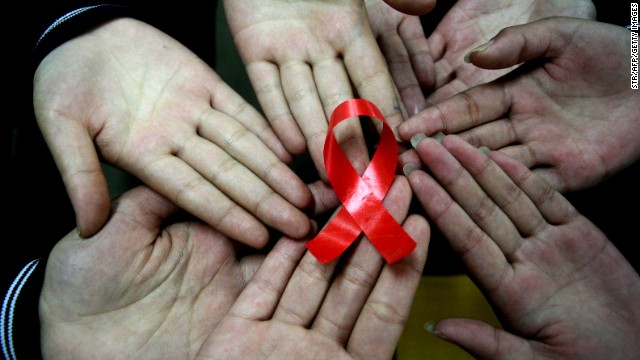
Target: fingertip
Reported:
point(477, 50)
point(294, 223)
point(91, 217)
point(92, 207)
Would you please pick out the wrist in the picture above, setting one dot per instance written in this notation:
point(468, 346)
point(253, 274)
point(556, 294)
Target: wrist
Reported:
point(74, 23)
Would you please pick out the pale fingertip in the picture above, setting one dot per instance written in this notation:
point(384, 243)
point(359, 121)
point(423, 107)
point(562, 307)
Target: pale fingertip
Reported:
point(415, 139)
point(408, 169)
point(431, 329)
point(438, 136)
point(478, 49)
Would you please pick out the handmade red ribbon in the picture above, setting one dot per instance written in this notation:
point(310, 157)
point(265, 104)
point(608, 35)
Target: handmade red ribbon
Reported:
point(361, 197)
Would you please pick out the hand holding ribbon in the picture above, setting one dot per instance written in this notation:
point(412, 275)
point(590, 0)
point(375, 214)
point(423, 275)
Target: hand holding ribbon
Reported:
point(361, 196)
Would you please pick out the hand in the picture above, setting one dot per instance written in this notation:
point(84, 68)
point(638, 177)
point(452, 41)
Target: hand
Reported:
point(404, 45)
point(470, 23)
point(570, 116)
point(142, 288)
point(302, 58)
point(559, 286)
point(132, 96)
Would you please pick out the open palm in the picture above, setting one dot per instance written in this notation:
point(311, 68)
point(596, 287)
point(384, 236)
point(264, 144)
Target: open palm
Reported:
point(304, 58)
point(568, 114)
point(470, 23)
point(147, 286)
point(560, 288)
point(127, 94)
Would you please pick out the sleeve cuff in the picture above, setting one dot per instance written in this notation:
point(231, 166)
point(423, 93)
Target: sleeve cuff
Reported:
point(75, 23)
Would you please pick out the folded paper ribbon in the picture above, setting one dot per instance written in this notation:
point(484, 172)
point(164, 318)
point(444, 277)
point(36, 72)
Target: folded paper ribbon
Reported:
point(361, 197)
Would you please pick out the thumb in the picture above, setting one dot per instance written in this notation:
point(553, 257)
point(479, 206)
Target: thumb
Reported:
point(86, 185)
point(480, 339)
point(517, 44)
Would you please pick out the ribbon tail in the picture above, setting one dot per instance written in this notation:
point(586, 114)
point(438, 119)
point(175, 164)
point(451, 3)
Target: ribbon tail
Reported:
point(384, 232)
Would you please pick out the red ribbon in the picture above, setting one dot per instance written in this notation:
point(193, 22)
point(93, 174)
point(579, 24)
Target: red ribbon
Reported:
point(361, 197)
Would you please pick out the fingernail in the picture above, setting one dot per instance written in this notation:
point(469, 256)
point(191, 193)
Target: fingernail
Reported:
point(408, 169)
point(396, 134)
point(415, 139)
point(79, 233)
point(438, 136)
point(485, 150)
point(431, 329)
point(481, 48)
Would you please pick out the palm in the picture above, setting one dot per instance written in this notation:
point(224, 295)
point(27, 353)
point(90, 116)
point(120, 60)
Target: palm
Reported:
point(135, 286)
point(140, 289)
point(564, 117)
point(264, 340)
point(566, 121)
point(303, 59)
point(560, 288)
point(470, 23)
point(550, 311)
point(149, 106)
point(352, 309)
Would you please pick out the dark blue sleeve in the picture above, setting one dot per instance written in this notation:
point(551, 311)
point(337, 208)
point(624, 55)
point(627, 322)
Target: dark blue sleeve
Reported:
point(20, 325)
point(190, 22)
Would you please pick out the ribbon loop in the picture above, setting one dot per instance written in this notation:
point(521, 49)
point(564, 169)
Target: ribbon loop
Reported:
point(361, 197)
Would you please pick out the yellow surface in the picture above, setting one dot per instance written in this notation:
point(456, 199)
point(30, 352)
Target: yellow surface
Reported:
point(440, 297)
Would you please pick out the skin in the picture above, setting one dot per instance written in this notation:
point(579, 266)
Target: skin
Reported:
point(560, 288)
point(306, 57)
point(145, 287)
point(146, 104)
point(404, 45)
point(470, 23)
point(568, 113)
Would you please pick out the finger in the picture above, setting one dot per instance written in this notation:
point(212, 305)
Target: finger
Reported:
point(404, 76)
point(445, 77)
point(304, 102)
point(461, 183)
point(225, 99)
point(482, 340)
point(139, 213)
point(464, 111)
point(381, 322)
point(409, 158)
point(265, 78)
point(478, 251)
point(555, 208)
point(358, 275)
point(239, 142)
point(261, 296)
point(192, 192)
point(518, 44)
point(437, 45)
point(412, 34)
point(308, 286)
point(75, 156)
point(494, 135)
point(534, 153)
point(503, 192)
point(241, 186)
point(334, 88)
point(368, 70)
point(324, 198)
